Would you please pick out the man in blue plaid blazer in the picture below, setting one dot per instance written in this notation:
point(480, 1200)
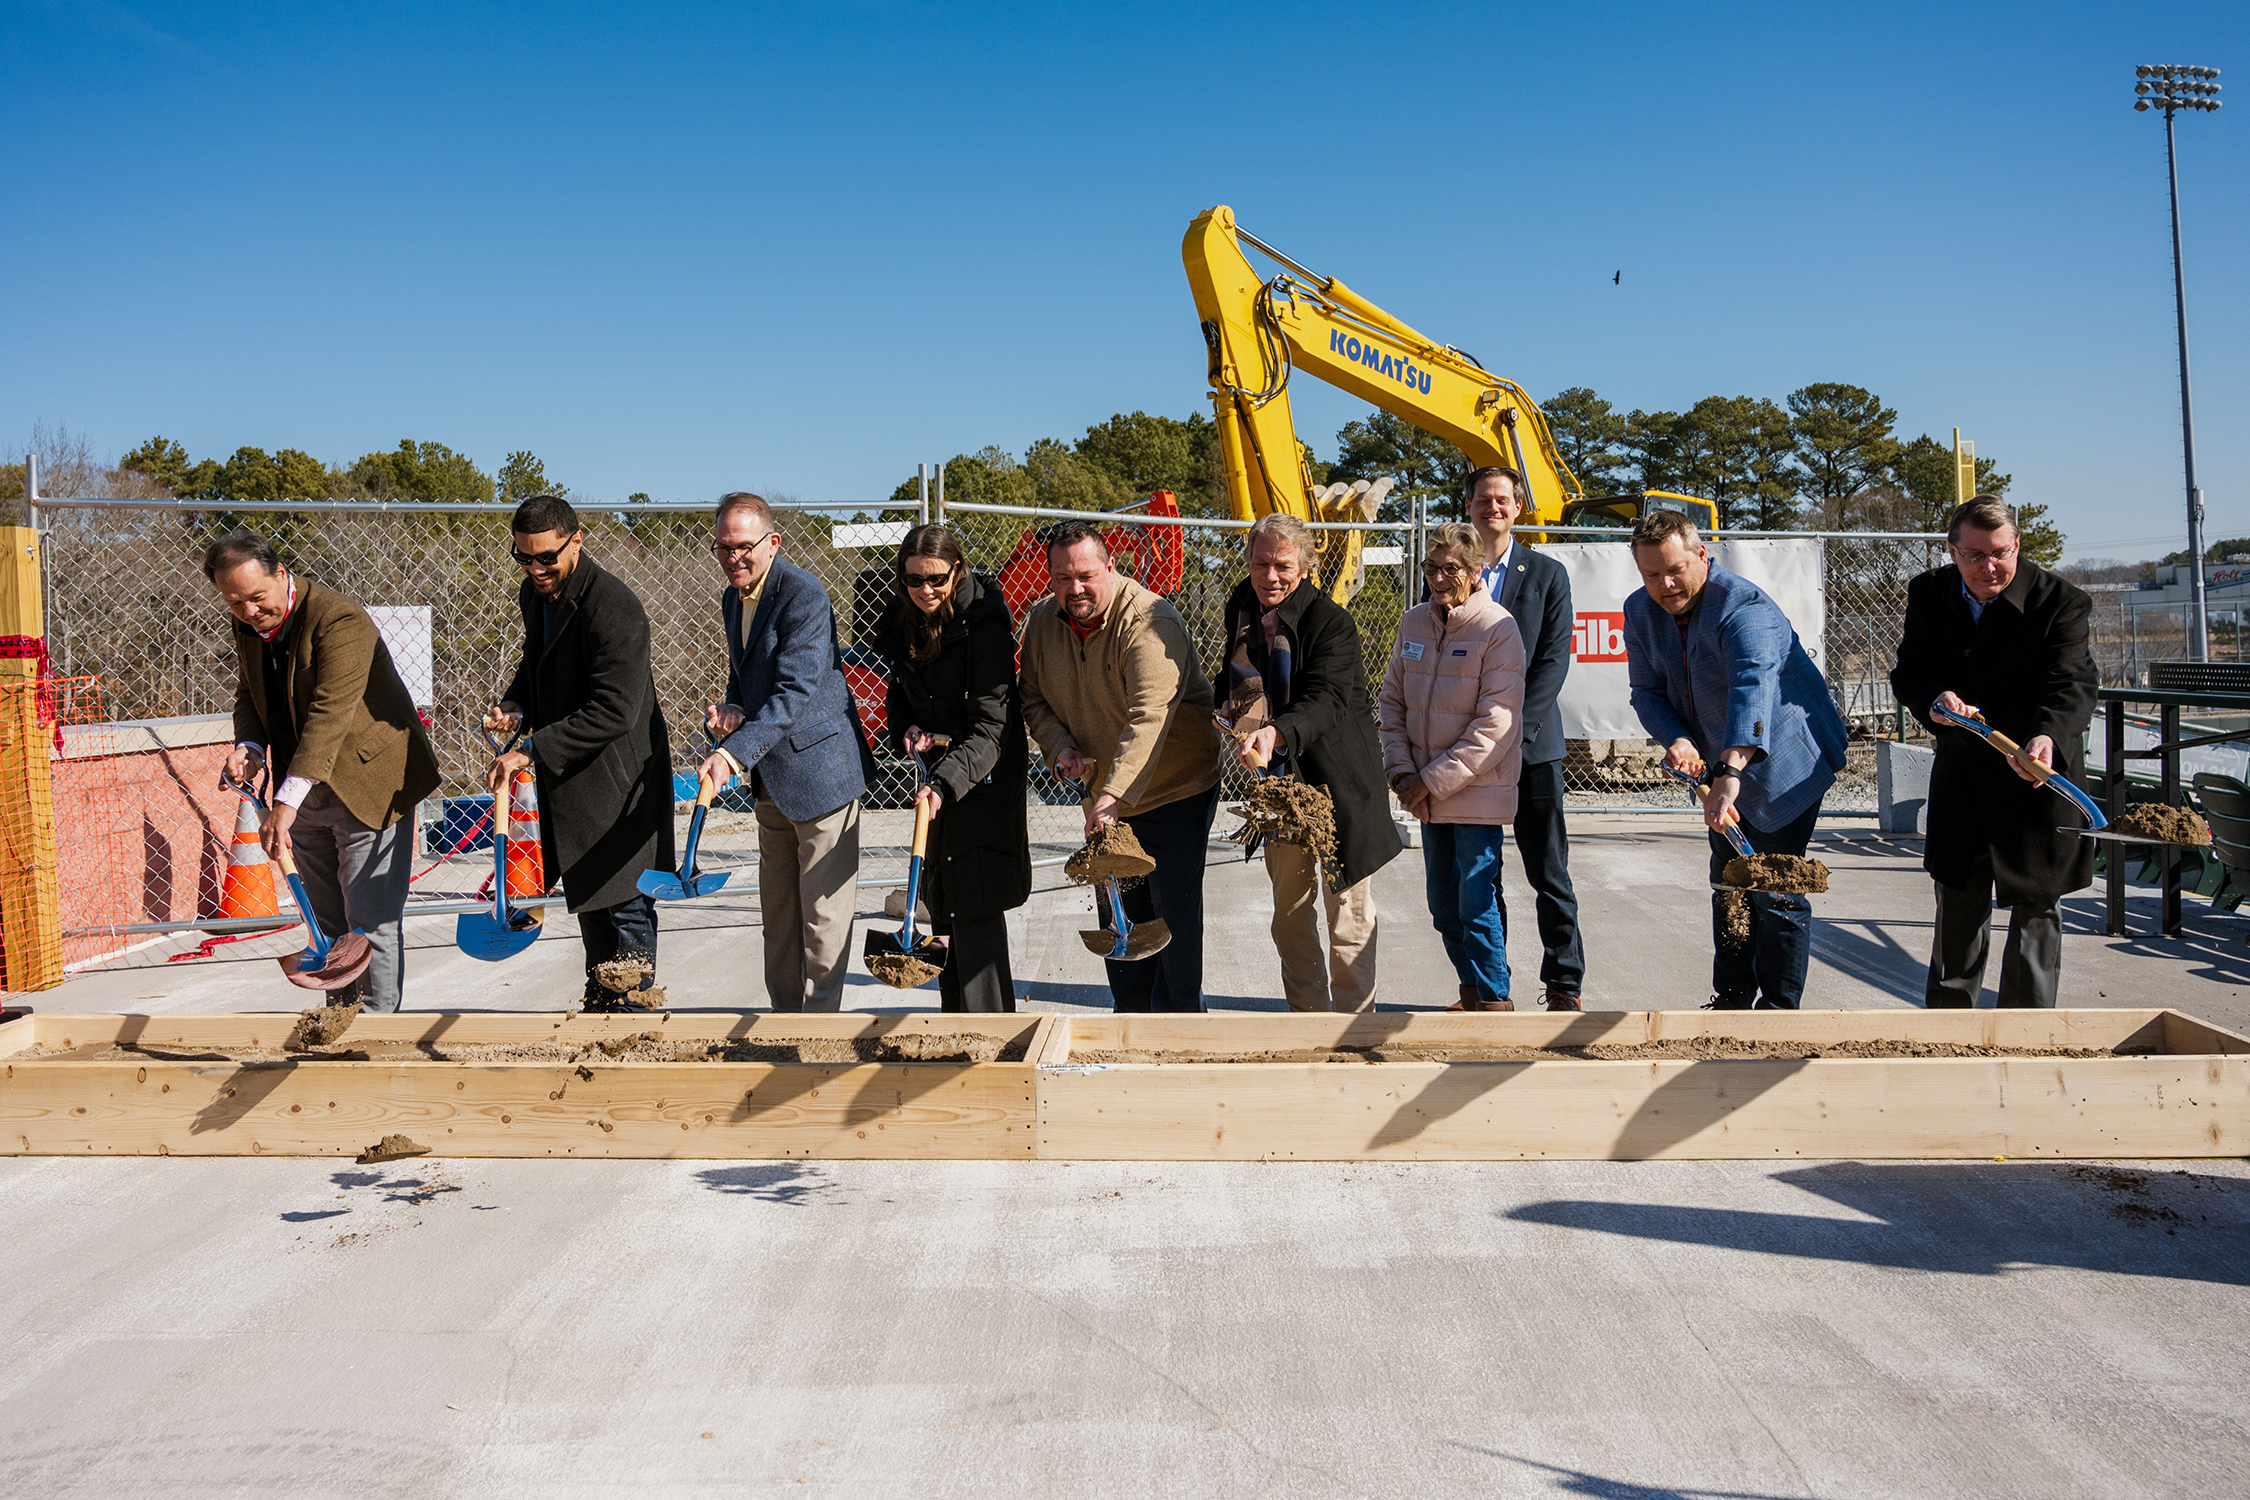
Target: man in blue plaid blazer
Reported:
point(1720, 679)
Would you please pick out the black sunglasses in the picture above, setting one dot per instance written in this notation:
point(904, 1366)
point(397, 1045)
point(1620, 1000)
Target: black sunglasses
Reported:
point(543, 559)
point(929, 580)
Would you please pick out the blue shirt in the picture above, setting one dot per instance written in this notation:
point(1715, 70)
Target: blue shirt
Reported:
point(1976, 605)
point(1495, 578)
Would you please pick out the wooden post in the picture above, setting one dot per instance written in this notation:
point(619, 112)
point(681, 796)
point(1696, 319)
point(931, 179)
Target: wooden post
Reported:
point(30, 897)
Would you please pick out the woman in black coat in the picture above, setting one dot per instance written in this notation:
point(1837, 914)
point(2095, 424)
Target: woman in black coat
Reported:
point(952, 653)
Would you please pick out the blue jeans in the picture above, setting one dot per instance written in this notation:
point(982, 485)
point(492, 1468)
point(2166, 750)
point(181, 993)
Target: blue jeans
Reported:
point(1461, 866)
point(1177, 836)
point(1768, 972)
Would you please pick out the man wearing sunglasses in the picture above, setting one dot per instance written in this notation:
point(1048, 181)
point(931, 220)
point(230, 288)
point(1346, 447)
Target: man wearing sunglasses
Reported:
point(1998, 635)
point(790, 725)
point(585, 694)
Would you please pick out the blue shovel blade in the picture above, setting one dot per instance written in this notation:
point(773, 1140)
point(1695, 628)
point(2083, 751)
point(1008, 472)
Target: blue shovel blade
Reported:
point(665, 886)
point(479, 935)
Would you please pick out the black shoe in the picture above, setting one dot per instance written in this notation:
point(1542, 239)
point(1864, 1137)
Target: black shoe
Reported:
point(1717, 1002)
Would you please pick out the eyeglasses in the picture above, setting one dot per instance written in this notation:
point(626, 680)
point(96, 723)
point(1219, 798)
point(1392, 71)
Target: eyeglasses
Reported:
point(1444, 570)
point(541, 559)
point(726, 553)
point(929, 580)
point(1974, 559)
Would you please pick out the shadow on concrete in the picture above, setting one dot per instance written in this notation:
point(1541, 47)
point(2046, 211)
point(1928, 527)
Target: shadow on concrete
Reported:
point(1865, 948)
point(309, 1217)
point(1579, 1482)
point(1967, 1219)
point(777, 1182)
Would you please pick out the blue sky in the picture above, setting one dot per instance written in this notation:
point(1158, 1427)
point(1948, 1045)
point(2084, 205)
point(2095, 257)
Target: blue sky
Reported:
point(685, 249)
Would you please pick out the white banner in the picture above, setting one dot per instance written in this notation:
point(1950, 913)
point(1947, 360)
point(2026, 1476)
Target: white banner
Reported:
point(1596, 699)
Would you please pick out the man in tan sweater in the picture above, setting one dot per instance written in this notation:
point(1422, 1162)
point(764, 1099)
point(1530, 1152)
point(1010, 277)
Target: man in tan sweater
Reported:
point(1113, 695)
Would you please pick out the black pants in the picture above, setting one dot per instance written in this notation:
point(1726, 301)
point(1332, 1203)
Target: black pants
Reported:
point(1177, 836)
point(1768, 971)
point(976, 976)
point(626, 930)
point(2030, 967)
point(1543, 844)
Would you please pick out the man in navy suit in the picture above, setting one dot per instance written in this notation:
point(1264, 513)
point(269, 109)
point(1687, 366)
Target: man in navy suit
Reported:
point(1536, 590)
point(1720, 679)
point(789, 724)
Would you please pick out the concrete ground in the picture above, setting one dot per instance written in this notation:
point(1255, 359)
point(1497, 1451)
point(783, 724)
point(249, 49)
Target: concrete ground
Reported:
point(1646, 1330)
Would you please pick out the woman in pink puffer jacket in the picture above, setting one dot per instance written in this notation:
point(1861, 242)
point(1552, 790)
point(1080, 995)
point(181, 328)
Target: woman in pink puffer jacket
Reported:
point(1452, 731)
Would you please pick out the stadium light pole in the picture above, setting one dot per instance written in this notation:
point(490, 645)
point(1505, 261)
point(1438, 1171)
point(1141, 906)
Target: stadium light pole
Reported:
point(2173, 87)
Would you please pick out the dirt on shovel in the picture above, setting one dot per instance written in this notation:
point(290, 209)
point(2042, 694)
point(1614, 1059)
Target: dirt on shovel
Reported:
point(1292, 812)
point(1780, 874)
point(1112, 851)
point(322, 1027)
point(901, 971)
point(2166, 825)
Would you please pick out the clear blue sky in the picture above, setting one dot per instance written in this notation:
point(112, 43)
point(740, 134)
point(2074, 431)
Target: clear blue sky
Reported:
point(683, 249)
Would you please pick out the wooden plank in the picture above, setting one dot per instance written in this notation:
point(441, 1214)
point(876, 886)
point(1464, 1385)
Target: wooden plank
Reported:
point(717, 1110)
point(1877, 1107)
point(473, 1028)
point(30, 886)
point(1261, 1032)
point(2185, 1034)
point(1054, 1045)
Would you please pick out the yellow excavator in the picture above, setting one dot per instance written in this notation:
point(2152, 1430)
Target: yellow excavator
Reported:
point(1258, 330)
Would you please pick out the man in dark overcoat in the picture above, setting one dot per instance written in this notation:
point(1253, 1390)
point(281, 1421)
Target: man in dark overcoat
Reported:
point(1305, 651)
point(1996, 634)
point(586, 694)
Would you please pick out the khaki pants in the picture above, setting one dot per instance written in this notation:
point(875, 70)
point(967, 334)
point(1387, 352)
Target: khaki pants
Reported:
point(807, 874)
point(1348, 957)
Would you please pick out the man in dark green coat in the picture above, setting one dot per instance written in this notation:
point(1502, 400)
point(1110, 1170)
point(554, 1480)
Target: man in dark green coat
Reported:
point(586, 694)
point(1305, 650)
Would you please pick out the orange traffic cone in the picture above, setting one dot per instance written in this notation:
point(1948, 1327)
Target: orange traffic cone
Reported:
point(247, 890)
point(527, 870)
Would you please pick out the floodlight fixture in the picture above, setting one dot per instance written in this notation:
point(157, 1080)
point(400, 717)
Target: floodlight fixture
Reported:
point(2181, 86)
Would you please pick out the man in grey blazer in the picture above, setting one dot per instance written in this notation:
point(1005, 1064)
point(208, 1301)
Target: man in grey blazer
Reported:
point(789, 724)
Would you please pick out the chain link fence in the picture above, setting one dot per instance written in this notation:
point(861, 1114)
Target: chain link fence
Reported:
point(127, 604)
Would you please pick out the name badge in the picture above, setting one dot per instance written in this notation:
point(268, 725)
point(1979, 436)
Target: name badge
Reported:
point(1412, 650)
point(1457, 651)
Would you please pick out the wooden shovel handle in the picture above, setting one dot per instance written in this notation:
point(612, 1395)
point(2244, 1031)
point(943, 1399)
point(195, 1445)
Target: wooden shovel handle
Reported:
point(2014, 752)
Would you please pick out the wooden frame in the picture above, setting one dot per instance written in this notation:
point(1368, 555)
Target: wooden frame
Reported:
point(52, 1107)
point(2191, 1100)
point(2191, 1097)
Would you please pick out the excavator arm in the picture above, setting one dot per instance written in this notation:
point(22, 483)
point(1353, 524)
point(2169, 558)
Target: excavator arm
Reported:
point(1257, 331)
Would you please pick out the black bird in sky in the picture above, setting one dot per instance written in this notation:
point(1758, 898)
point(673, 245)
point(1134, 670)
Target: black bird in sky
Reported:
point(1618, 279)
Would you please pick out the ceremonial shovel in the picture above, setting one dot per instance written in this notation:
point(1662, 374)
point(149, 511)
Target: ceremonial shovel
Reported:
point(1730, 825)
point(2046, 776)
point(1121, 939)
point(665, 885)
point(504, 931)
point(325, 965)
point(908, 954)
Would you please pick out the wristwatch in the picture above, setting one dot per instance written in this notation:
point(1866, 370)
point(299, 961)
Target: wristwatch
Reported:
point(1718, 771)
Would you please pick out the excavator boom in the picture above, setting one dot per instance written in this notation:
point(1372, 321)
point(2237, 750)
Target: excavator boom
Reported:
point(1258, 330)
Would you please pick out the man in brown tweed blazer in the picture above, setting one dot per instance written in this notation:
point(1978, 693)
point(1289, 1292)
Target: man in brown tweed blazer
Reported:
point(318, 691)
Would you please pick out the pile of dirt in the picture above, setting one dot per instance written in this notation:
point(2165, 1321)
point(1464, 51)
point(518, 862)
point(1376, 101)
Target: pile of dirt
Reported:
point(625, 977)
point(1734, 918)
point(901, 971)
point(2166, 825)
point(1778, 873)
point(1291, 812)
point(391, 1148)
point(322, 1027)
point(1113, 851)
point(652, 1047)
point(1684, 1049)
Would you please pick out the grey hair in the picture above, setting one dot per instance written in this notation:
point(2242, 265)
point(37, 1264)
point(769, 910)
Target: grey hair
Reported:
point(1289, 528)
point(1455, 536)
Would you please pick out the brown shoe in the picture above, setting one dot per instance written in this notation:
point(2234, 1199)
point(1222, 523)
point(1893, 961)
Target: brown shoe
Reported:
point(1562, 1000)
point(1469, 1001)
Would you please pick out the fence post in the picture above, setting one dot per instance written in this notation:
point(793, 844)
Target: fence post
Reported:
point(939, 497)
point(31, 956)
point(922, 493)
